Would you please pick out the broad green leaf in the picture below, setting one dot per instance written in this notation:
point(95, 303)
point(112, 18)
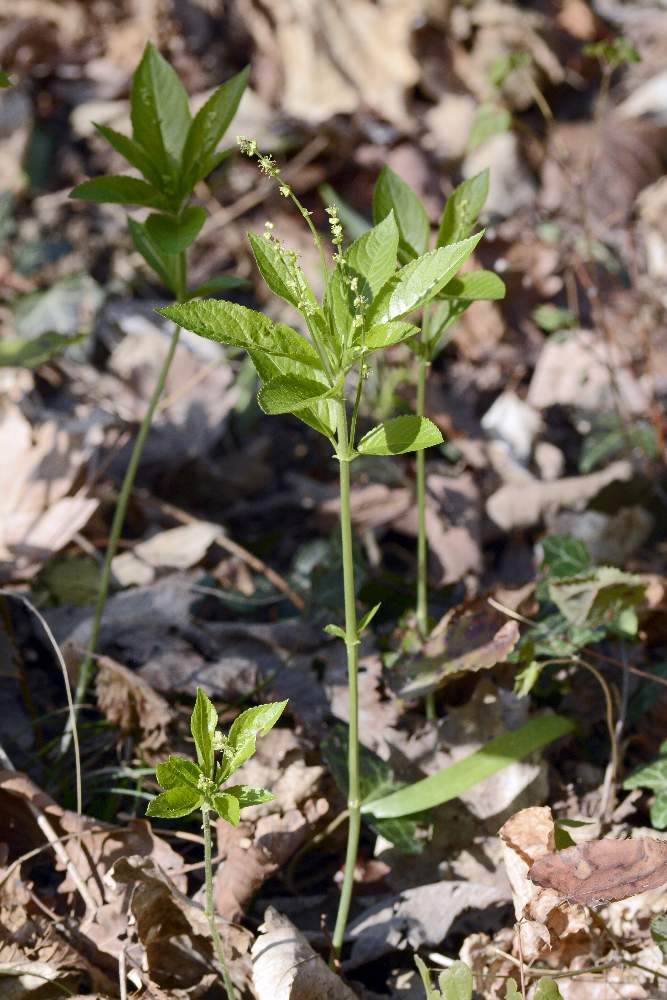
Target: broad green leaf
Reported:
point(202, 723)
point(223, 283)
point(208, 127)
point(289, 393)
point(17, 352)
point(159, 110)
point(456, 982)
point(462, 209)
point(4, 79)
point(659, 932)
point(653, 776)
point(254, 722)
point(399, 435)
point(176, 802)
point(512, 991)
point(490, 119)
point(282, 275)
point(135, 154)
point(386, 334)
point(372, 257)
point(658, 811)
point(551, 318)
point(596, 597)
point(475, 285)
point(229, 323)
point(452, 781)
point(177, 771)
point(227, 807)
point(174, 235)
point(247, 795)
point(547, 990)
point(163, 265)
point(376, 780)
point(419, 281)
point(365, 621)
point(120, 190)
point(564, 555)
point(321, 416)
point(391, 193)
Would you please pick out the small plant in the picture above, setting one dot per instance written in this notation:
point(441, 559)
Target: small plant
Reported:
point(189, 787)
point(393, 196)
point(654, 777)
point(173, 151)
point(455, 983)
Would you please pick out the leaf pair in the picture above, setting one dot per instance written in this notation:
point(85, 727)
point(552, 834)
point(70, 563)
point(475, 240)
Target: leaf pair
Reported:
point(188, 786)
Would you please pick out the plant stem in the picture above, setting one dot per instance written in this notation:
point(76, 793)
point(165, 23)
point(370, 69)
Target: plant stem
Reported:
point(422, 552)
point(352, 644)
point(210, 912)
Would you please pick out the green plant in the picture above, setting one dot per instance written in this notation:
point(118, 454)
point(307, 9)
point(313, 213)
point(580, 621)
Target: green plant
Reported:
point(316, 376)
point(173, 151)
point(189, 786)
point(455, 983)
point(653, 776)
point(392, 196)
point(4, 79)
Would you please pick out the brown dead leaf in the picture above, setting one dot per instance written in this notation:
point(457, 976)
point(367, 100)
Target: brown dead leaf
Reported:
point(130, 703)
point(603, 870)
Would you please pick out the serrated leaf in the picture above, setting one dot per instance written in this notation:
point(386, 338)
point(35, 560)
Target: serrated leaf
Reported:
point(322, 416)
point(473, 286)
point(159, 110)
point(391, 193)
point(456, 982)
point(450, 782)
point(172, 235)
point(230, 323)
point(597, 597)
point(400, 435)
point(372, 257)
point(174, 803)
point(120, 190)
point(177, 771)
point(163, 266)
point(227, 807)
point(462, 209)
point(247, 795)
point(564, 555)
point(419, 281)
point(135, 154)
point(284, 278)
point(254, 722)
point(208, 127)
point(490, 119)
point(387, 334)
point(289, 393)
point(203, 721)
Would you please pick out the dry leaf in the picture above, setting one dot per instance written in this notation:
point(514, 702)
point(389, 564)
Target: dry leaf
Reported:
point(130, 703)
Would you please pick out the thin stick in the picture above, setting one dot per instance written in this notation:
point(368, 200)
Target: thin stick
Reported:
point(210, 910)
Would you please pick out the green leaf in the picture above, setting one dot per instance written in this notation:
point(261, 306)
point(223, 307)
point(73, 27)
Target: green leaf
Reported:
point(159, 111)
point(653, 776)
point(229, 323)
point(163, 265)
point(223, 283)
point(462, 209)
point(247, 795)
point(208, 127)
point(659, 932)
point(419, 281)
point(176, 802)
point(120, 190)
point(289, 393)
point(171, 235)
point(399, 435)
point(227, 807)
point(431, 994)
point(202, 723)
point(490, 119)
point(547, 990)
point(551, 318)
point(322, 415)
point(658, 811)
point(391, 193)
point(564, 555)
point(17, 352)
point(456, 982)
point(452, 781)
point(177, 771)
point(387, 334)
point(336, 631)
point(254, 722)
point(372, 257)
point(365, 621)
point(512, 991)
point(135, 154)
point(4, 79)
point(596, 597)
point(282, 274)
point(473, 286)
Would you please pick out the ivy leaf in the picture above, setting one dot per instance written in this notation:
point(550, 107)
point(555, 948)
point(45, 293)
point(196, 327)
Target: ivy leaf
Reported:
point(462, 209)
point(289, 393)
point(163, 265)
point(391, 193)
point(247, 795)
point(232, 324)
point(473, 286)
point(133, 152)
point(208, 127)
point(120, 190)
point(254, 722)
point(177, 771)
point(159, 111)
point(419, 281)
point(171, 235)
point(174, 803)
point(400, 435)
point(278, 273)
point(227, 807)
point(202, 723)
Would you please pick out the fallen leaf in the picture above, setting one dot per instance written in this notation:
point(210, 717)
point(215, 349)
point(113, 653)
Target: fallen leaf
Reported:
point(178, 548)
point(130, 703)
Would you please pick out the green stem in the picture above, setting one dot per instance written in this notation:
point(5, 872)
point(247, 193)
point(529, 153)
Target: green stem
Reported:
point(210, 911)
point(352, 644)
point(422, 550)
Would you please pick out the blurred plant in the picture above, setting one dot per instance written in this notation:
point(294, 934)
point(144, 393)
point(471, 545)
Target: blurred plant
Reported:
point(393, 196)
point(4, 79)
point(173, 151)
point(189, 787)
point(653, 776)
point(362, 311)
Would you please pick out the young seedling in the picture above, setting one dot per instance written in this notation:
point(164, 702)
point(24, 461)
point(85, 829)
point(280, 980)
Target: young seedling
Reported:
point(173, 151)
point(189, 787)
point(314, 376)
point(393, 197)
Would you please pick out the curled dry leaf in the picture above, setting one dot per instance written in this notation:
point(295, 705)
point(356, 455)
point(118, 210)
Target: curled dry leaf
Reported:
point(603, 870)
point(130, 703)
